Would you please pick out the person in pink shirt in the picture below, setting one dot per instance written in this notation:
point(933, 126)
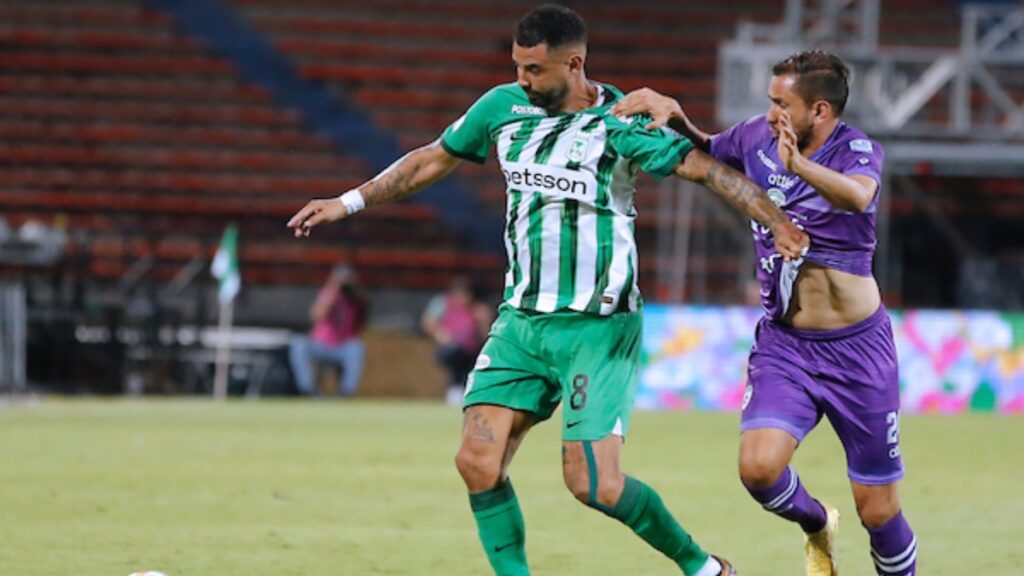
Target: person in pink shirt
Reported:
point(338, 315)
point(458, 323)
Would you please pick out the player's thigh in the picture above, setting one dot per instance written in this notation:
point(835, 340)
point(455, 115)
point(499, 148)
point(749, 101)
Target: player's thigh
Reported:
point(597, 360)
point(506, 376)
point(496, 431)
point(510, 372)
point(779, 396)
point(862, 401)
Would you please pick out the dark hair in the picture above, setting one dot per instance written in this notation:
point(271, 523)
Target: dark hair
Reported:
point(820, 75)
point(556, 25)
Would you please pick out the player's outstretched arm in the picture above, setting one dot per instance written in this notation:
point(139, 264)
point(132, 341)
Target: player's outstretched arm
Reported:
point(663, 111)
point(746, 197)
point(408, 175)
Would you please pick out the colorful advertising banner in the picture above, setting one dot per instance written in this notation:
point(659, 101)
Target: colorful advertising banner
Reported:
point(950, 361)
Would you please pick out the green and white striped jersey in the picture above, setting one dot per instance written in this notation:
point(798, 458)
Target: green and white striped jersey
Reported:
point(571, 187)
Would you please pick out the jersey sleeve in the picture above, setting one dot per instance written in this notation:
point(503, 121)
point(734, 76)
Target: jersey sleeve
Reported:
point(727, 149)
point(469, 137)
point(729, 146)
point(861, 157)
point(656, 152)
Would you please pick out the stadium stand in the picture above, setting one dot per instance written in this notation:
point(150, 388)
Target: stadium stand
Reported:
point(148, 143)
point(133, 136)
point(143, 143)
point(415, 65)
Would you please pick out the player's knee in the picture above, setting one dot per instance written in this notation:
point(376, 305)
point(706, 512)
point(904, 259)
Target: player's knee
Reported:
point(606, 491)
point(877, 511)
point(759, 470)
point(478, 468)
point(609, 489)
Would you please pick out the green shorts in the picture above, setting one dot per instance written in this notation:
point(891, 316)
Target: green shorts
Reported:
point(531, 362)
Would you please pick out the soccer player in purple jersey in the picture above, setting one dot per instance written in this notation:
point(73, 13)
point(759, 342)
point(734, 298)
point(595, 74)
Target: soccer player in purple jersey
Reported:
point(825, 344)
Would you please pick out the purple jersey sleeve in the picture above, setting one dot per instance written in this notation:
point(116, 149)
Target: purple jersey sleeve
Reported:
point(860, 156)
point(730, 146)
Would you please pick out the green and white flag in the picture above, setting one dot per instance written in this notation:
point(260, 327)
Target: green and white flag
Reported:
point(225, 266)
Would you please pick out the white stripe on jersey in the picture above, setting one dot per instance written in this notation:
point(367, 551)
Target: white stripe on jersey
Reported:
point(523, 243)
point(505, 140)
point(550, 261)
point(621, 248)
point(634, 292)
point(510, 274)
point(586, 256)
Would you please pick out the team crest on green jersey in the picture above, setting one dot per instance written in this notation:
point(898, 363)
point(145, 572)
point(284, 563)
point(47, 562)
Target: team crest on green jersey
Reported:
point(578, 149)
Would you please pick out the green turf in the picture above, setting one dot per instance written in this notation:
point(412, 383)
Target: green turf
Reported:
point(310, 488)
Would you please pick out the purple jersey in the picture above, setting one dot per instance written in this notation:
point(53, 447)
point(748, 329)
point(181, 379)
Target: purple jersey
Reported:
point(840, 239)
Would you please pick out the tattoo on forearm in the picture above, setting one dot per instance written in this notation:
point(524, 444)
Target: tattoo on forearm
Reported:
point(395, 183)
point(743, 194)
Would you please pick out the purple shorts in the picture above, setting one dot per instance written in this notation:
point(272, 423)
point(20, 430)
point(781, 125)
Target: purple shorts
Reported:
point(849, 375)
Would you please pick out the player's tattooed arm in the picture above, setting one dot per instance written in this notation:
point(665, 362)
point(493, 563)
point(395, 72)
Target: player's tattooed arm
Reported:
point(745, 196)
point(409, 174)
point(406, 176)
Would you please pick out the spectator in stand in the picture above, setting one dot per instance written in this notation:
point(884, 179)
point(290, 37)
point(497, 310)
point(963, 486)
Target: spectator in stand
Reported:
point(338, 316)
point(458, 321)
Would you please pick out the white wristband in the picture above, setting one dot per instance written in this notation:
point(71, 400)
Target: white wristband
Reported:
point(353, 201)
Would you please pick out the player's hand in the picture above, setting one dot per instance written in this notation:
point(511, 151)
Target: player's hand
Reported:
point(316, 212)
point(789, 150)
point(660, 108)
point(790, 241)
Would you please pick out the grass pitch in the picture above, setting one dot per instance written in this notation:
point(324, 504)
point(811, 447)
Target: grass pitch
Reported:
point(193, 488)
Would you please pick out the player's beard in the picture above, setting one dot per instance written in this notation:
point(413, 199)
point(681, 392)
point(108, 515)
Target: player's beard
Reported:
point(803, 133)
point(803, 137)
point(552, 101)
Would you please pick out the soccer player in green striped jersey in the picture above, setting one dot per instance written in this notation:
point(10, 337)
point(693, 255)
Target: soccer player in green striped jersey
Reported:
point(569, 328)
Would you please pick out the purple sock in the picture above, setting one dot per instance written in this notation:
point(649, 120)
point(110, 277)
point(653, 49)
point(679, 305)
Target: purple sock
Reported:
point(894, 548)
point(788, 498)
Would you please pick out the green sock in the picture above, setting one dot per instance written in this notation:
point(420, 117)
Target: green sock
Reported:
point(641, 509)
point(502, 530)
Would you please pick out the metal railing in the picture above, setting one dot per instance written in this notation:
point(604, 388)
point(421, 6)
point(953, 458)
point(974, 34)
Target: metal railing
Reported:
point(966, 95)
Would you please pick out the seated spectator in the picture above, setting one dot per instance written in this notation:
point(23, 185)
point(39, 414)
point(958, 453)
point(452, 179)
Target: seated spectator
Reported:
point(338, 316)
point(458, 322)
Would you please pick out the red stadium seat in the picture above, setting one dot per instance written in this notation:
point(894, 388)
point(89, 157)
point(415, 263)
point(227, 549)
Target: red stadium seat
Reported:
point(142, 142)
